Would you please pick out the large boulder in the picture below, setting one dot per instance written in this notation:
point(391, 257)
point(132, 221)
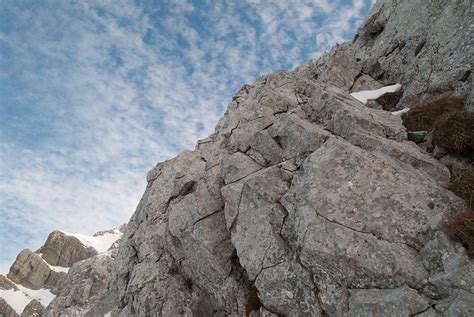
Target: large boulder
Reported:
point(33, 309)
point(64, 250)
point(29, 270)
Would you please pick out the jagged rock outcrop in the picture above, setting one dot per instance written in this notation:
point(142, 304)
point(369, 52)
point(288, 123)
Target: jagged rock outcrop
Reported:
point(6, 310)
point(6, 284)
point(31, 271)
point(304, 193)
point(33, 309)
point(84, 291)
point(64, 250)
point(424, 45)
point(34, 269)
point(85, 286)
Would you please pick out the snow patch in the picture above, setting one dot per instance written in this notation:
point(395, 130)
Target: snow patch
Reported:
point(23, 296)
point(108, 314)
point(365, 95)
point(400, 112)
point(58, 268)
point(101, 243)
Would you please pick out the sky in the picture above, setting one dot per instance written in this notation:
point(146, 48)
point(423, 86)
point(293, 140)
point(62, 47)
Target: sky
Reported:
point(94, 93)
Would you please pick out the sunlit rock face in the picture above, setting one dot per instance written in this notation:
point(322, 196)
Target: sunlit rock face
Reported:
point(63, 250)
point(424, 45)
point(29, 270)
point(313, 198)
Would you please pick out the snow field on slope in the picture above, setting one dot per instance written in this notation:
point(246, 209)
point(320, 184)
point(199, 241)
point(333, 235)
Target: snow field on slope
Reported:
point(100, 243)
point(19, 299)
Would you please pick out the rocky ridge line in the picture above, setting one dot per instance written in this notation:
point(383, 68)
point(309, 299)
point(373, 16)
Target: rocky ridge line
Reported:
point(312, 198)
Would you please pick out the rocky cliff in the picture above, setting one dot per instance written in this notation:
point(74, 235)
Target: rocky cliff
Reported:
point(306, 201)
point(69, 275)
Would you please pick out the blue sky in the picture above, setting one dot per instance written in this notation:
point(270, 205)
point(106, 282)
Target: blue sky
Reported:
point(94, 93)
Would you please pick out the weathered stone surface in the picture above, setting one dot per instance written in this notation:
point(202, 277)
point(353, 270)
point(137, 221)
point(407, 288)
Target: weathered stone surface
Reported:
point(33, 309)
point(441, 65)
point(55, 281)
point(346, 186)
point(339, 68)
point(84, 292)
point(6, 310)
point(402, 301)
point(303, 192)
point(63, 250)
point(365, 82)
point(417, 136)
point(29, 270)
point(188, 259)
point(6, 284)
point(462, 305)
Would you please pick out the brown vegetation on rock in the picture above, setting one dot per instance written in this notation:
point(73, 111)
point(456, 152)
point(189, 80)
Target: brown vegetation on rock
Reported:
point(253, 302)
point(422, 116)
point(419, 47)
point(463, 186)
point(455, 131)
point(389, 100)
point(460, 227)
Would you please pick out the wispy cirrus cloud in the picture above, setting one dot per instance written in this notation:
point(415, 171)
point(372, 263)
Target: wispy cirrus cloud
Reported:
point(93, 94)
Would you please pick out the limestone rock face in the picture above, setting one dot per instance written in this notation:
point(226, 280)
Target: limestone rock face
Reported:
point(29, 270)
point(33, 309)
point(83, 289)
point(6, 310)
point(424, 45)
point(64, 250)
point(319, 202)
point(6, 284)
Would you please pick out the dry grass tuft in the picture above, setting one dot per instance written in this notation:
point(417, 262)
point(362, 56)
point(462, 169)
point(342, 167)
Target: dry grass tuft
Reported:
point(422, 117)
point(463, 186)
point(460, 227)
point(389, 100)
point(419, 47)
point(253, 302)
point(455, 131)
